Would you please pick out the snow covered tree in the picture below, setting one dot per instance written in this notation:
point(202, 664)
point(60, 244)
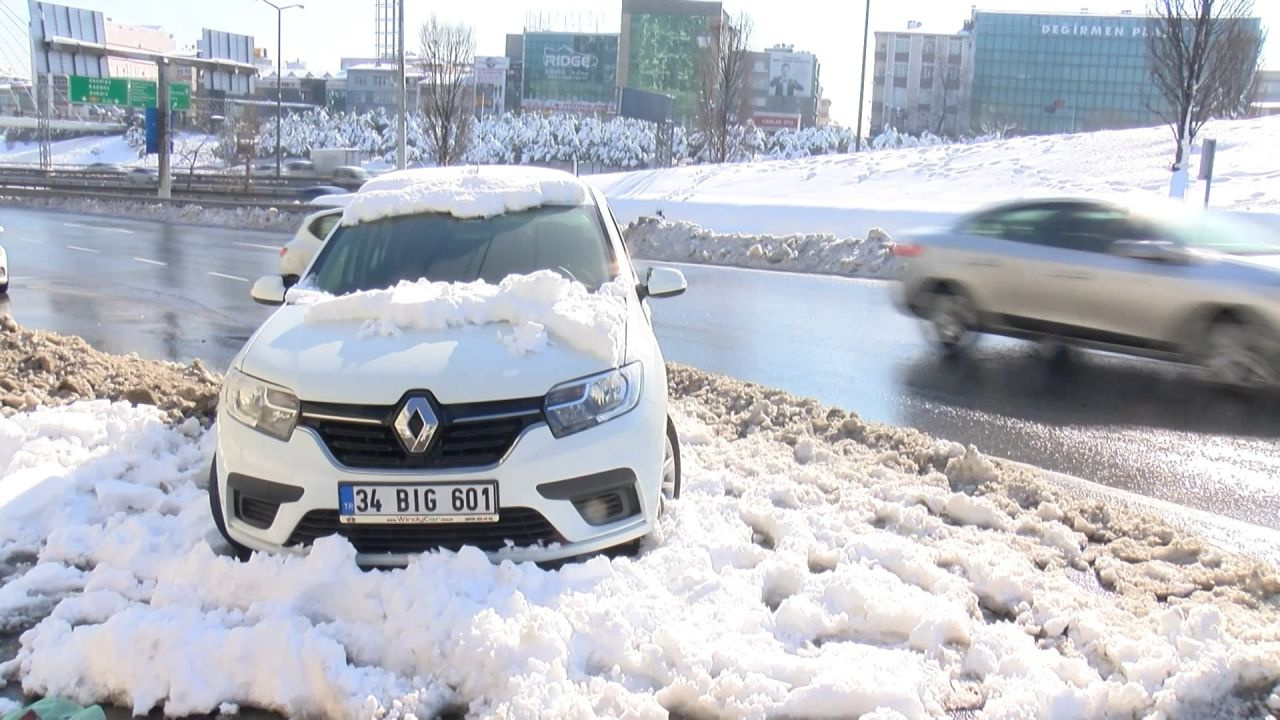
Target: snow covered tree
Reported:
point(1204, 59)
point(448, 55)
point(136, 135)
point(723, 88)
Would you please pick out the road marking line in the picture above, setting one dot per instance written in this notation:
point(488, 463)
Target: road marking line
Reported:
point(150, 262)
point(34, 242)
point(23, 277)
point(82, 249)
point(229, 277)
point(257, 246)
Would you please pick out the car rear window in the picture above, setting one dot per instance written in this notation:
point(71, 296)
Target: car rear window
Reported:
point(439, 247)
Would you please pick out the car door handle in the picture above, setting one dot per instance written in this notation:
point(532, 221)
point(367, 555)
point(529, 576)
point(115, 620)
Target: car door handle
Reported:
point(1071, 276)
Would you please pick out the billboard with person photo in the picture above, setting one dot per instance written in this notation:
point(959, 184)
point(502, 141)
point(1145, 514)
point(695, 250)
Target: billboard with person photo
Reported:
point(790, 75)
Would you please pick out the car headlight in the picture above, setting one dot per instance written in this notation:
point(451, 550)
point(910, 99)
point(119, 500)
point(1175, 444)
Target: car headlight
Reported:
point(580, 404)
point(267, 408)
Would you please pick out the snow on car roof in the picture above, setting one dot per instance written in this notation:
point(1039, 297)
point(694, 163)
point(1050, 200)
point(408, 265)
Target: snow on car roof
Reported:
point(464, 192)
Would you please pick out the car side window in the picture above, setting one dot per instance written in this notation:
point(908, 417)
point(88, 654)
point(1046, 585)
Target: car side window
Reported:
point(322, 225)
point(1094, 229)
point(1024, 224)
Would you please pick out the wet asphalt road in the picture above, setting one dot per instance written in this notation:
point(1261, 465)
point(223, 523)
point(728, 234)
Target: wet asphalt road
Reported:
point(179, 292)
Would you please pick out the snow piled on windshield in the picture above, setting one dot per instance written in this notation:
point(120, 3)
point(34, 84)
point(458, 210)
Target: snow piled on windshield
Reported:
point(539, 308)
point(802, 573)
point(464, 192)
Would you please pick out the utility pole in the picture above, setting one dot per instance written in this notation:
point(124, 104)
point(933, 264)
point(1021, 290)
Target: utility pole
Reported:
point(280, 78)
point(402, 120)
point(164, 131)
point(862, 85)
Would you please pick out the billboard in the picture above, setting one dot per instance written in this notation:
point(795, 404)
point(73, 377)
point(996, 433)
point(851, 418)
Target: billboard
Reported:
point(219, 45)
point(491, 84)
point(569, 72)
point(59, 21)
point(790, 74)
point(665, 53)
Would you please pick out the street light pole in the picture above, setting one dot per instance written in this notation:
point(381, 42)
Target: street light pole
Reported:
point(862, 86)
point(402, 120)
point(280, 77)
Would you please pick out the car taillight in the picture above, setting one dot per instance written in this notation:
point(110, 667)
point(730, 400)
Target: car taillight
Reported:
point(283, 250)
point(907, 251)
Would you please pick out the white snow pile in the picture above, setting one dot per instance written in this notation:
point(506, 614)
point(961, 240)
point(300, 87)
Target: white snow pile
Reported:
point(272, 219)
point(653, 238)
point(464, 192)
point(814, 566)
point(537, 307)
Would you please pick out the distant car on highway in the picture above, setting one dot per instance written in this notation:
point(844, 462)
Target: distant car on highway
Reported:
point(143, 176)
point(100, 167)
point(296, 254)
point(1165, 282)
point(350, 175)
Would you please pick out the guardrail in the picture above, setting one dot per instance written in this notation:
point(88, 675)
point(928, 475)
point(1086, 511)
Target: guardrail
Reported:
point(191, 188)
point(253, 183)
point(287, 205)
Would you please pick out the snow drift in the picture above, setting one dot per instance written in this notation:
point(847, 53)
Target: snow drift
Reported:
point(535, 307)
point(677, 241)
point(815, 566)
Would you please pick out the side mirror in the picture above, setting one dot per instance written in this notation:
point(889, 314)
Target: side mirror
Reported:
point(663, 282)
point(1151, 250)
point(268, 290)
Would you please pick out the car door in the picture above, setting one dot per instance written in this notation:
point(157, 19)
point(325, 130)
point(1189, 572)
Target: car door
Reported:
point(1003, 259)
point(1116, 299)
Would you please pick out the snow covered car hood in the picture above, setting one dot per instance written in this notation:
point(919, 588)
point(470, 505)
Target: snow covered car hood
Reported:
point(331, 363)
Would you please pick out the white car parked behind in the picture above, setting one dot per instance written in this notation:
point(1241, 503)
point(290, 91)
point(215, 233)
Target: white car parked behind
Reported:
point(513, 398)
point(296, 254)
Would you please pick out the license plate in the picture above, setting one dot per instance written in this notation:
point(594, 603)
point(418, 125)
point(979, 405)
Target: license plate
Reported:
point(418, 503)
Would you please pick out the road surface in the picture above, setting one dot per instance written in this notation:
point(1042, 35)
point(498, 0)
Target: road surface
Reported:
point(180, 292)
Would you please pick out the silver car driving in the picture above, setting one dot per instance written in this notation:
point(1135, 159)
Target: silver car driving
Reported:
point(1163, 281)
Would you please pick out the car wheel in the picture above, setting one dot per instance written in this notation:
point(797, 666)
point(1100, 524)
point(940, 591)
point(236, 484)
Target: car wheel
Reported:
point(4, 287)
point(238, 551)
point(671, 463)
point(952, 320)
point(1239, 355)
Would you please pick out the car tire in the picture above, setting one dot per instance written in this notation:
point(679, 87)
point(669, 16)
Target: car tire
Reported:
point(1239, 355)
point(671, 463)
point(238, 551)
point(952, 320)
point(4, 288)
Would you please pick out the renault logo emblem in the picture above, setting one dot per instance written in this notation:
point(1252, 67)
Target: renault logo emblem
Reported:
point(416, 424)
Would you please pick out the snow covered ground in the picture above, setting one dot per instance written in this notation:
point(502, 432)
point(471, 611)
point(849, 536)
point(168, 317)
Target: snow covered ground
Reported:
point(101, 149)
point(900, 189)
point(815, 566)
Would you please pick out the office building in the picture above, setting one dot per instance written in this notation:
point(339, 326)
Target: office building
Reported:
point(922, 82)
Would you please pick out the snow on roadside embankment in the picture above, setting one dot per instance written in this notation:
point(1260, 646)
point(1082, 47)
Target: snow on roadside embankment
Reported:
point(650, 238)
point(284, 219)
point(815, 566)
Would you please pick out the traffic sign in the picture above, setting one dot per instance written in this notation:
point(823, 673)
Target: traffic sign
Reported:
point(124, 91)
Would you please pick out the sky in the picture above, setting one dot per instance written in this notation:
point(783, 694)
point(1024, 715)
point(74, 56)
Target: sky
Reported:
point(325, 30)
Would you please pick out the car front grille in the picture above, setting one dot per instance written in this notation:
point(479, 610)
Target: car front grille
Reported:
point(475, 435)
point(518, 527)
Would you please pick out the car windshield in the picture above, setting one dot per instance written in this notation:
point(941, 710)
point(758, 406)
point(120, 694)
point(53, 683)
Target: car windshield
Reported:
point(1219, 233)
point(438, 247)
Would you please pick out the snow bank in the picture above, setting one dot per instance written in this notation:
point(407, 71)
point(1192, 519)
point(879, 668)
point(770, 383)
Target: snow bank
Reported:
point(465, 192)
point(899, 189)
point(657, 239)
point(887, 573)
point(283, 219)
point(537, 307)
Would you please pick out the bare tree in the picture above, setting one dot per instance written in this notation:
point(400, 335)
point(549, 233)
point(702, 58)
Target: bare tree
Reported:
point(723, 86)
point(1204, 57)
point(192, 154)
point(448, 63)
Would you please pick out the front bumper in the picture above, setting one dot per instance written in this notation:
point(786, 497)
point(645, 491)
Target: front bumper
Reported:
point(631, 445)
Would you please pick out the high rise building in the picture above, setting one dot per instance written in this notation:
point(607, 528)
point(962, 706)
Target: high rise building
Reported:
point(662, 45)
point(136, 37)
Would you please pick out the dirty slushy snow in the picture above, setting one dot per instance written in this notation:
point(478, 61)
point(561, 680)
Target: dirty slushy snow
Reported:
point(536, 309)
point(815, 566)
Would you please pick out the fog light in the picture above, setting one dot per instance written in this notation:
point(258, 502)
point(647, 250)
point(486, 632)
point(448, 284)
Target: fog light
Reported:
point(595, 511)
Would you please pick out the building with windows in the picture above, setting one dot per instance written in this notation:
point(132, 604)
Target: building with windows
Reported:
point(922, 82)
point(137, 37)
point(1037, 73)
point(1267, 99)
point(785, 88)
point(662, 45)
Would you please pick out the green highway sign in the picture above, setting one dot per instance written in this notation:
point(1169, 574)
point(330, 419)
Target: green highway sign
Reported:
point(123, 91)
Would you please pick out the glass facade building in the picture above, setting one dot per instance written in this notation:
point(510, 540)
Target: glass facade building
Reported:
point(1042, 73)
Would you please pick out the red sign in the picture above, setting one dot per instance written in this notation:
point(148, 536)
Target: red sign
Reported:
point(776, 121)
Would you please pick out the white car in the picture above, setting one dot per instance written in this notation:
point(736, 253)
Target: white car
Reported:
point(4, 269)
point(296, 254)
point(419, 439)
